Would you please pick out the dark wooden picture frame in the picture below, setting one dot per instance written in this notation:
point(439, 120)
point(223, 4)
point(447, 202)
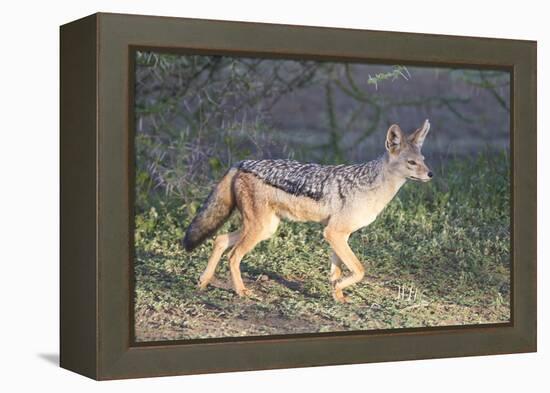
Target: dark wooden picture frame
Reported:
point(97, 191)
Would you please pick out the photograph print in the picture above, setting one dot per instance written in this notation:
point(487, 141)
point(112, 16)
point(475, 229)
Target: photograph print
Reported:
point(281, 196)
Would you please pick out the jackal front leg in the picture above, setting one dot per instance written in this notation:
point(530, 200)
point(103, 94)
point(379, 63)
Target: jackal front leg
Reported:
point(335, 274)
point(335, 268)
point(339, 242)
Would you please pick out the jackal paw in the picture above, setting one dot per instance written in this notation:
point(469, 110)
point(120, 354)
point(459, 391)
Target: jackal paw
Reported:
point(202, 284)
point(245, 292)
point(340, 297)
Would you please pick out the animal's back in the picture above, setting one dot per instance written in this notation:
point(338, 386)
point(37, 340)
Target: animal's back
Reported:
point(312, 180)
point(293, 177)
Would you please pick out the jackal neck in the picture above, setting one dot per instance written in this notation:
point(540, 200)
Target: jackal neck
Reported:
point(388, 174)
point(377, 174)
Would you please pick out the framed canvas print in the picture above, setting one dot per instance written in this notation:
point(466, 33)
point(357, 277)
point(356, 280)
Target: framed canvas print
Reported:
point(240, 196)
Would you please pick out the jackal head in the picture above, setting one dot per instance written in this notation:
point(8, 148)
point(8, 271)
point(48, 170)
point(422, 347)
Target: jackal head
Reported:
point(405, 157)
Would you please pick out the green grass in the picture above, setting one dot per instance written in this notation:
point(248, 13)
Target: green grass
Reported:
point(447, 242)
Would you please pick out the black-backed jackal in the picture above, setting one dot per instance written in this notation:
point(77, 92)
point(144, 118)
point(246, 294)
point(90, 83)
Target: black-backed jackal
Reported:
point(344, 198)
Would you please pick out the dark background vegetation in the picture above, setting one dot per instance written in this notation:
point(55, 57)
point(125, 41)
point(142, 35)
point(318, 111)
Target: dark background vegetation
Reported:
point(438, 255)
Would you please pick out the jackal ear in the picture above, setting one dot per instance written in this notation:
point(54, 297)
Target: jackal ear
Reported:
point(394, 138)
point(419, 135)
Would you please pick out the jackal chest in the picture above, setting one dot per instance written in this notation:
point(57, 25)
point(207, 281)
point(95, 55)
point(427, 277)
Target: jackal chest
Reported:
point(364, 209)
point(362, 216)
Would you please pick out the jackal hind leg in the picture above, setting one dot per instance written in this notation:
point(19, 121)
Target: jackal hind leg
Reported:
point(339, 242)
point(254, 232)
point(222, 243)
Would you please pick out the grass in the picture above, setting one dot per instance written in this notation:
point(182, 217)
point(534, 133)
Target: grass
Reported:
point(438, 255)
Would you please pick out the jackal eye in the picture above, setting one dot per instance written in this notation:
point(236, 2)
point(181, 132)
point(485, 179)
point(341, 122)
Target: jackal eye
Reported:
point(411, 162)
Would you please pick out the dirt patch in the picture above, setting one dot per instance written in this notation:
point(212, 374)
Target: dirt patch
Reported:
point(265, 313)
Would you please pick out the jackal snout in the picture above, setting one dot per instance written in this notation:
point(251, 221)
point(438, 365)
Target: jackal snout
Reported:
point(420, 171)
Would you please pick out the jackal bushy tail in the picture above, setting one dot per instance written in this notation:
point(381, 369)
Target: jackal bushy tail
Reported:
point(214, 212)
